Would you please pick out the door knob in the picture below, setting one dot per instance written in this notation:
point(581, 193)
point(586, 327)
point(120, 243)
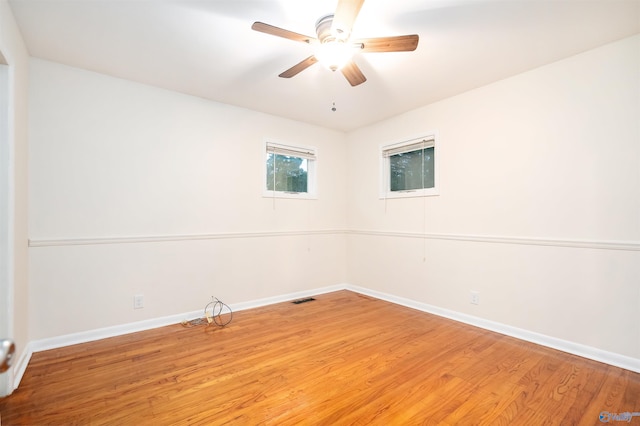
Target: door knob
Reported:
point(7, 349)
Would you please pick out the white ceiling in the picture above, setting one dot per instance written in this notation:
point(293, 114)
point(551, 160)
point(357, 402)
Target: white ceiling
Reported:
point(206, 48)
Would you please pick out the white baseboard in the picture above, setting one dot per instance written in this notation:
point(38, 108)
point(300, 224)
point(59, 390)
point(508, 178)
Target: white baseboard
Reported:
point(21, 366)
point(106, 332)
point(286, 297)
point(622, 361)
point(632, 364)
point(119, 330)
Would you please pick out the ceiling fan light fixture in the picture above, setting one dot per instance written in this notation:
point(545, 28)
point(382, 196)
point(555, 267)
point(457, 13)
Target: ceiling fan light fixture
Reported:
point(334, 47)
point(334, 54)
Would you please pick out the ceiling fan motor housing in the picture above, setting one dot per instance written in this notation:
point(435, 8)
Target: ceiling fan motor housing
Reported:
point(323, 30)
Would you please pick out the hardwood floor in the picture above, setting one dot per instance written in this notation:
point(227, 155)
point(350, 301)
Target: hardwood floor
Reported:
point(341, 359)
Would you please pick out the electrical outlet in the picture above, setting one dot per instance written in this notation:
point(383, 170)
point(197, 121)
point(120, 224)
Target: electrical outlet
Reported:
point(475, 297)
point(138, 301)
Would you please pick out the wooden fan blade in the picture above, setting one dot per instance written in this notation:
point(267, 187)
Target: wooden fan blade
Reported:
point(353, 74)
point(299, 67)
point(405, 43)
point(345, 15)
point(280, 32)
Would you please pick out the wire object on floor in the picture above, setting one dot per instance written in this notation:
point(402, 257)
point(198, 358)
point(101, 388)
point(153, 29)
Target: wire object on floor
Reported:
point(215, 312)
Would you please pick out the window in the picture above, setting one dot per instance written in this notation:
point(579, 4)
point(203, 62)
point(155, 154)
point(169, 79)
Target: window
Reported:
point(409, 168)
point(289, 171)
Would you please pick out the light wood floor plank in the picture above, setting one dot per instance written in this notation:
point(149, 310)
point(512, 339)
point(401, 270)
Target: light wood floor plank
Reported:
point(342, 359)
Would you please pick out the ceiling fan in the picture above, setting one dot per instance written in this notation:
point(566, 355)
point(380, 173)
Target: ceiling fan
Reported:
point(334, 47)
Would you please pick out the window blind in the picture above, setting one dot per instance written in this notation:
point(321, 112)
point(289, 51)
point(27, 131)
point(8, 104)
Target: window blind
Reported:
point(291, 151)
point(408, 147)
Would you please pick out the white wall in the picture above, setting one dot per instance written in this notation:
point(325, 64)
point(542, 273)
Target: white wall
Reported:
point(13, 192)
point(132, 191)
point(539, 207)
point(117, 166)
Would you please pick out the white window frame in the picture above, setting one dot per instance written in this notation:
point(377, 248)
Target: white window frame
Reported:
point(386, 150)
point(300, 151)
